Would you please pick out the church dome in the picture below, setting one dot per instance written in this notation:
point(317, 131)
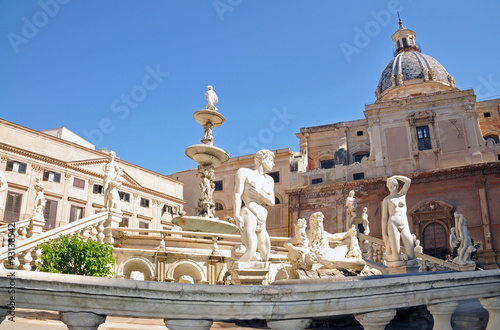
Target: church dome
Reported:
point(410, 72)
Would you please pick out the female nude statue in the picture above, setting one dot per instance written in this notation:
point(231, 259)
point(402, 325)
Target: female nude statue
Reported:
point(395, 225)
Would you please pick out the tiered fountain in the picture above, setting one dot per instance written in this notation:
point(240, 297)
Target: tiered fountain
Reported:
point(208, 157)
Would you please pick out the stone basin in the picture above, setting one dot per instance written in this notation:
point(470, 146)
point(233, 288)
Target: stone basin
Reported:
point(205, 225)
point(205, 154)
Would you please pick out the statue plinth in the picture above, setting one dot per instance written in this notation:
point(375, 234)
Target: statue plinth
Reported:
point(403, 267)
point(248, 272)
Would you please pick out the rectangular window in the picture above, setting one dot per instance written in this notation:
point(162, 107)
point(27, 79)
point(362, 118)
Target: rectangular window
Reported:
point(218, 185)
point(316, 181)
point(124, 222)
point(52, 176)
point(16, 166)
point(424, 138)
point(50, 213)
point(76, 213)
point(167, 209)
point(487, 115)
point(144, 225)
point(358, 158)
point(98, 189)
point(78, 183)
point(329, 163)
point(144, 202)
point(124, 196)
point(13, 207)
point(275, 176)
point(358, 176)
point(359, 133)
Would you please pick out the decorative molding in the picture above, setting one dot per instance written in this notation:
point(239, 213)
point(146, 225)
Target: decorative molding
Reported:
point(143, 217)
point(17, 186)
point(77, 200)
point(52, 194)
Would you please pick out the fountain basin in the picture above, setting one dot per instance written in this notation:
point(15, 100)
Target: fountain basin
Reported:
point(204, 116)
point(205, 225)
point(205, 154)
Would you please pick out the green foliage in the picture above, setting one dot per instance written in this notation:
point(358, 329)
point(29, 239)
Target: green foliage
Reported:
point(72, 255)
point(473, 255)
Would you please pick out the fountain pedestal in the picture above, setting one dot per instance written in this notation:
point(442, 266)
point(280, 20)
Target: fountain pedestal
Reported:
point(248, 272)
point(403, 267)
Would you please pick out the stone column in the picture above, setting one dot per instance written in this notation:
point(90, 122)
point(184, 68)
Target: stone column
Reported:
point(375, 320)
point(188, 324)
point(297, 324)
point(82, 320)
point(492, 305)
point(442, 314)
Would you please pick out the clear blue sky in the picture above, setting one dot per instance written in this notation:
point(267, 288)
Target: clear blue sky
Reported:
point(128, 74)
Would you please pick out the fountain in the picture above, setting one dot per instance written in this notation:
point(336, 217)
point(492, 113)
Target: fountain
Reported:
point(208, 158)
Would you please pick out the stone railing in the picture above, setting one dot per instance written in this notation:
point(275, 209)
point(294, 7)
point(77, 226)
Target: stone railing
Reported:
point(19, 229)
point(24, 253)
point(374, 252)
point(85, 302)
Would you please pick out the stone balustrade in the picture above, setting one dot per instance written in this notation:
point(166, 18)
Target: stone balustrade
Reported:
point(84, 302)
point(29, 236)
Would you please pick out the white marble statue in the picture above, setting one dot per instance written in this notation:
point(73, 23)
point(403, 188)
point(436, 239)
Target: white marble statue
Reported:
point(298, 247)
point(112, 180)
point(366, 223)
point(345, 255)
point(256, 189)
point(418, 247)
point(211, 98)
point(206, 206)
point(466, 247)
point(350, 209)
point(208, 137)
point(3, 187)
point(40, 201)
point(453, 238)
point(395, 225)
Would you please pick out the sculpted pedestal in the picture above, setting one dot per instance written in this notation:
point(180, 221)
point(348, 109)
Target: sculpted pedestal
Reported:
point(403, 267)
point(248, 272)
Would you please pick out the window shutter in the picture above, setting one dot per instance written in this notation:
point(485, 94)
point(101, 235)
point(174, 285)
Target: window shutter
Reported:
point(10, 163)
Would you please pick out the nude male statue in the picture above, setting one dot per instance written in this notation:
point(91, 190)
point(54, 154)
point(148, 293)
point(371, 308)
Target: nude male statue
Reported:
point(211, 98)
point(350, 208)
point(256, 189)
point(112, 180)
point(395, 225)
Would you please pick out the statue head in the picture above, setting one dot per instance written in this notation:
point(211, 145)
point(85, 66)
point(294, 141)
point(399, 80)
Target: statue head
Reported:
point(392, 184)
point(316, 220)
point(301, 223)
point(365, 209)
point(453, 230)
point(209, 88)
point(351, 193)
point(265, 158)
point(112, 155)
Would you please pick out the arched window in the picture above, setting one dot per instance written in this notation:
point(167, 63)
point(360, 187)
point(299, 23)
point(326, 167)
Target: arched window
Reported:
point(219, 206)
point(435, 240)
point(276, 200)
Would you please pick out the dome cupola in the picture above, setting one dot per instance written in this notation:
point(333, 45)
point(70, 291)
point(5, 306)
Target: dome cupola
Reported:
point(411, 73)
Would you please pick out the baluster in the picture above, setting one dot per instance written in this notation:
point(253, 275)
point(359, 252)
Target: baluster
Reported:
point(86, 234)
point(22, 232)
point(37, 256)
point(5, 240)
point(370, 251)
point(15, 263)
point(27, 260)
point(100, 229)
point(93, 233)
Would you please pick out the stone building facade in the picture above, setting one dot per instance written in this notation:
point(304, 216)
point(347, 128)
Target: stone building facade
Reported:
point(72, 173)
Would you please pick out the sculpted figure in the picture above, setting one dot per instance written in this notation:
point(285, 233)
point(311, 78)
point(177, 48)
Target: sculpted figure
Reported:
point(350, 208)
point(39, 199)
point(366, 223)
point(112, 180)
point(453, 238)
point(256, 189)
point(208, 137)
point(3, 187)
point(395, 225)
point(466, 247)
point(345, 255)
point(298, 246)
point(211, 98)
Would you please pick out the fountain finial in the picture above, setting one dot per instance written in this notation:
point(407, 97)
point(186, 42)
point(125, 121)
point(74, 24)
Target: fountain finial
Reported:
point(211, 98)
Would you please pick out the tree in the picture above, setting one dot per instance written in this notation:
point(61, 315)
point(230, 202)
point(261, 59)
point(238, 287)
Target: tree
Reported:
point(73, 255)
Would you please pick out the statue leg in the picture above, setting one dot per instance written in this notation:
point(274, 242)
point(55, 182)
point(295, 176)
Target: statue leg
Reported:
point(408, 243)
point(394, 241)
point(264, 244)
point(249, 236)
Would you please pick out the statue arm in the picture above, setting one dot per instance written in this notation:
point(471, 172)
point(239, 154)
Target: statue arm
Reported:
point(406, 181)
point(268, 197)
point(384, 220)
point(3, 182)
point(238, 191)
